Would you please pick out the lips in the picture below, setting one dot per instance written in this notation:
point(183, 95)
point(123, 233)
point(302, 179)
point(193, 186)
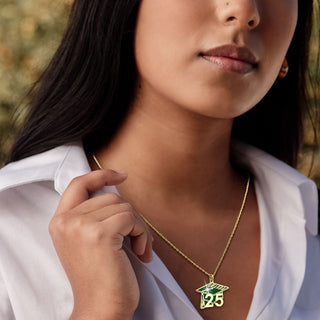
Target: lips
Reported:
point(231, 58)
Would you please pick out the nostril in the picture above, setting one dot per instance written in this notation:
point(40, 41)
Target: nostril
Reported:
point(250, 23)
point(231, 19)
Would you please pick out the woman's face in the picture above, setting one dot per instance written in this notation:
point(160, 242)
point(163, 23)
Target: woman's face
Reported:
point(215, 57)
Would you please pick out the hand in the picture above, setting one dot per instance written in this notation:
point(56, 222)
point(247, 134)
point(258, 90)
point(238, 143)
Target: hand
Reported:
point(88, 236)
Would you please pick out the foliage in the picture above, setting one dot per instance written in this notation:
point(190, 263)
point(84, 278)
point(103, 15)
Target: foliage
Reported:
point(30, 31)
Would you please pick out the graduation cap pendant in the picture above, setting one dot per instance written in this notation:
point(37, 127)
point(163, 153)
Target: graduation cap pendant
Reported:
point(212, 294)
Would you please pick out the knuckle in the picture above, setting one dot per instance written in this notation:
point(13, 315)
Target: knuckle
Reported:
point(127, 207)
point(51, 228)
point(129, 215)
point(79, 225)
point(65, 225)
point(85, 230)
point(77, 181)
point(118, 221)
point(113, 197)
point(57, 225)
point(95, 234)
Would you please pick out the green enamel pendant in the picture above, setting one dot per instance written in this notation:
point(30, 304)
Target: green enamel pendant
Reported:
point(212, 294)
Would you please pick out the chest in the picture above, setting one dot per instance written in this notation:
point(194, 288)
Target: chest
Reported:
point(238, 270)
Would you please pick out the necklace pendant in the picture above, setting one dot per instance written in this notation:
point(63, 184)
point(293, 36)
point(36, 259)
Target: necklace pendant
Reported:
point(211, 294)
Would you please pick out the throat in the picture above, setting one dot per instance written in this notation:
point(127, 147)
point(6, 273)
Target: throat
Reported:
point(170, 157)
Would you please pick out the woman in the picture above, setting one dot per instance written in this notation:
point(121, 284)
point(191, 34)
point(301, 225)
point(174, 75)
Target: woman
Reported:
point(157, 88)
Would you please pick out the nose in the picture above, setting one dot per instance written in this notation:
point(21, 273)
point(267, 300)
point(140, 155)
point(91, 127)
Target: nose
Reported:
point(244, 13)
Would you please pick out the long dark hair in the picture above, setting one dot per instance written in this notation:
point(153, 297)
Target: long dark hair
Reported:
point(85, 92)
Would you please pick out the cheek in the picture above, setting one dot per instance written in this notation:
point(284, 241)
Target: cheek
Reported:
point(165, 34)
point(277, 32)
point(163, 52)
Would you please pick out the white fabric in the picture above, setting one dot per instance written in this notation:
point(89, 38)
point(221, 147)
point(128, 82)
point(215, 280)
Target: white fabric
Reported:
point(33, 284)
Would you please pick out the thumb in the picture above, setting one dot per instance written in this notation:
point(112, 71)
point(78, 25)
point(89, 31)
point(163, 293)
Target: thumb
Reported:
point(81, 187)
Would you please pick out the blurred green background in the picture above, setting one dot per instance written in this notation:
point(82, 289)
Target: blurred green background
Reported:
point(30, 31)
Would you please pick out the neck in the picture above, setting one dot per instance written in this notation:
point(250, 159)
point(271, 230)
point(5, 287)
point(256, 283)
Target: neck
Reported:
point(184, 156)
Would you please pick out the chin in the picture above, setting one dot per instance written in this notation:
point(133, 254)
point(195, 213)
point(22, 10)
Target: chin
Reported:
point(225, 110)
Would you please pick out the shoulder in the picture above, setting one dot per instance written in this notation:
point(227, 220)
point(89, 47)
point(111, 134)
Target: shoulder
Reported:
point(34, 185)
point(264, 164)
point(29, 194)
point(279, 186)
point(290, 246)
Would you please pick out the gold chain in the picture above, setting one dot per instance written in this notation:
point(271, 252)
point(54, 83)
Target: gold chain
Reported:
point(97, 162)
point(210, 275)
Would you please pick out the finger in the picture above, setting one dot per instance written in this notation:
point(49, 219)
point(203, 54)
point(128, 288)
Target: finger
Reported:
point(128, 224)
point(81, 187)
point(147, 254)
point(141, 242)
point(111, 210)
point(99, 202)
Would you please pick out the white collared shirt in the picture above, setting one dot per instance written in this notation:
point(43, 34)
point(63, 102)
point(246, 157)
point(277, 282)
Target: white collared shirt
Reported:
point(33, 284)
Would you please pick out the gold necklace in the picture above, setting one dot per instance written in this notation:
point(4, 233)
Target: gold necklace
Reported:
point(211, 293)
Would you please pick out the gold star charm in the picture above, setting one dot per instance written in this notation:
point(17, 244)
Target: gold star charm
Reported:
point(212, 295)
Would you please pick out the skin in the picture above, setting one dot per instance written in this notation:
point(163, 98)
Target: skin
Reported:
point(88, 236)
point(174, 145)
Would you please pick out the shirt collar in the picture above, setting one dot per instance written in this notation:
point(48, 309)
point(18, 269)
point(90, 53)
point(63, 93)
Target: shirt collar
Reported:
point(60, 165)
point(287, 204)
point(281, 183)
point(74, 164)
